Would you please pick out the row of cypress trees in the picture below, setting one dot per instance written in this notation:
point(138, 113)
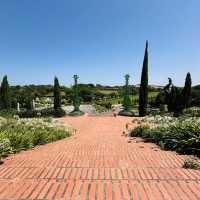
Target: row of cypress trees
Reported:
point(5, 95)
point(179, 99)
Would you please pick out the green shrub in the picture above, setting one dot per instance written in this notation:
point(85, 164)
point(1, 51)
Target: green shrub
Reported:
point(140, 131)
point(99, 109)
point(59, 112)
point(28, 113)
point(47, 112)
point(192, 112)
point(105, 104)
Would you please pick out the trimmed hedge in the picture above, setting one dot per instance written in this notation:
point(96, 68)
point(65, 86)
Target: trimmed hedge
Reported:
point(47, 112)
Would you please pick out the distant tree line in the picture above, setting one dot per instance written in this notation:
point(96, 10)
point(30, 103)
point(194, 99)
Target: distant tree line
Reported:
point(25, 94)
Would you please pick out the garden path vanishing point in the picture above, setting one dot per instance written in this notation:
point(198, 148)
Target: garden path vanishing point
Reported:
point(98, 163)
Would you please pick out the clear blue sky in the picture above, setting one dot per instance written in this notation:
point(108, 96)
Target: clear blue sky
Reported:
point(100, 40)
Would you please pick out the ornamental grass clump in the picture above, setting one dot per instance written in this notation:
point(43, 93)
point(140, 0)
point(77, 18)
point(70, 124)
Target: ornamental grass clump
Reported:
point(191, 164)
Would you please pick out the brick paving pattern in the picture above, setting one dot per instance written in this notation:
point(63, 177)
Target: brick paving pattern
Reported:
point(98, 163)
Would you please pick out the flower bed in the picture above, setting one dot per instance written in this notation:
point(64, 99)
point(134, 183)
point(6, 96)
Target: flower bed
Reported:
point(179, 134)
point(20, 134)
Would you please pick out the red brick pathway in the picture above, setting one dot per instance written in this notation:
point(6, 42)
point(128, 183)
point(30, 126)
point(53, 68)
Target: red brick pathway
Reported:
point(98, 163)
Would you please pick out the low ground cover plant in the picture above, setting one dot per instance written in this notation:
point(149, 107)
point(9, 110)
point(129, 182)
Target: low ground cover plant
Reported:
point(100, 109)
point(8, 113)
point(106, 105)
point(179, 134)
point(192, 112)
point(102, 106)
point(20, 134)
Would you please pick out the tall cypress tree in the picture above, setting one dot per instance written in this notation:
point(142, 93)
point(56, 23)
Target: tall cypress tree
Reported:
point(57, 97)
point(5, 98)
point(187, 90)
point(172, 99)
point(143, 96)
